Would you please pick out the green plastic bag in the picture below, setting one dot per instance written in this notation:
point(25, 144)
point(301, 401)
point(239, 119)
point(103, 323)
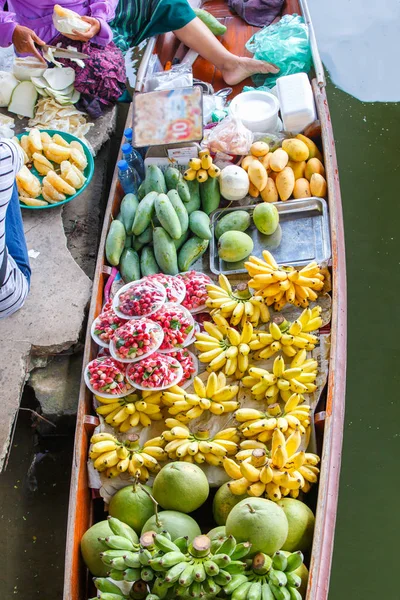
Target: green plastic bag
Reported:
point(285, 44)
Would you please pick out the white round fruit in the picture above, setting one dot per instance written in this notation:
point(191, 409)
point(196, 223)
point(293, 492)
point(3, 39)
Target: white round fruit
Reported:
point(234, 183)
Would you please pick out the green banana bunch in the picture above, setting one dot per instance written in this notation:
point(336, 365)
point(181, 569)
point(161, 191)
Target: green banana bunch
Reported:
point(268, 579)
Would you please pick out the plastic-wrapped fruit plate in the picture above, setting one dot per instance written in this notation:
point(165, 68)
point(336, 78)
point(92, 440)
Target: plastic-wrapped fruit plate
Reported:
point(177, 324)
point(103, 327)
point(139, 299)
point(196, 292)
point(174, 286)
point(189, 364)
point(135, 340)
point(156, 372)
point(106, 377)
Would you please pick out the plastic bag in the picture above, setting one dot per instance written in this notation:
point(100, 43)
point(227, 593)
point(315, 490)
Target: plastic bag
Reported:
point(285, 44)
point(231, 137)
point(178, 77)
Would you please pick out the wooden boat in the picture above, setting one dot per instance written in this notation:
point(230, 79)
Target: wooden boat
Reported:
point(84, 509)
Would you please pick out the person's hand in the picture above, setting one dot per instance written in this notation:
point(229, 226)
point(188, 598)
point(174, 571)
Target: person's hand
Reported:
point(80, 36)
point(24, 40)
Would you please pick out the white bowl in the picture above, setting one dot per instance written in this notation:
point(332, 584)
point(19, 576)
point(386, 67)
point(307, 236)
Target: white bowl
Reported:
point(258, 111)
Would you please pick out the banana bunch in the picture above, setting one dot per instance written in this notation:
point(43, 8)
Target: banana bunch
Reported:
point(298, 378)
point(236, 305)
point(202, 571)
point(198, 446)
point(268, 578)
point(260, 425)
point(124, 413)
point(223, 347)
point(201, 168)
point(282, 471)
point(287, 337)
point(214, 395)
point(282, 285)
point(114, 457)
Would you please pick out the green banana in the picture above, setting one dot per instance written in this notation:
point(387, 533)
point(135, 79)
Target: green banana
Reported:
point(227, 546)
point(294, 561)
point(199, 572)
point(108, 556)
point(145, 557)
point(132, 560)
point(211, 568)
point(116, 575)
point(241, 550)
point(118, 564)
point(147, 574)
point(279, 561)
point(235, 567)
point(156, 564)
point(172, 558)
point(293, 580)
point(105, 585)
point(234, 583)
point(240, 593)
point(109, 596)
point(182, 543)
point(117, 542)
point(195, 590)
point(266, 593)
point(174, 572)
point(221, 560)
point(160, 587)
point(132, 575)
point(187, 576)
point(223, 578)
point(280, 593)
point(152, 597)
point(277, 577)
point(164, 544)
point(254, 592)
point(210, 587)
point(294, 593)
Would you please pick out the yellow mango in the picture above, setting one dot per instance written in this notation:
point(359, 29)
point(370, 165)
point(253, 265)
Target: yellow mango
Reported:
point(318, 185)
point(296, 149)
point(312, 147)
point(246, 162)
point(258, 175)
point(253, 191)
point(285, 183)
point(270, 193)
point(314, 165)
point(301, 188)
point(298, 168)
point(265, 161)
point(259, 149)
point(278, 160)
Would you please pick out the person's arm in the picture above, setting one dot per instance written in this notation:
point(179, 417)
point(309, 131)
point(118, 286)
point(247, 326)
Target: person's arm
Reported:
point(100, 12)
point(23, 38)
point(8, 22)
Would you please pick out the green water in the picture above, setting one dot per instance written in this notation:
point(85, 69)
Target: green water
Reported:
point(365, 564)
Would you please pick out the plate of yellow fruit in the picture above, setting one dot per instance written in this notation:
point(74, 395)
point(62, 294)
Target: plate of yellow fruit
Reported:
point(58, 167)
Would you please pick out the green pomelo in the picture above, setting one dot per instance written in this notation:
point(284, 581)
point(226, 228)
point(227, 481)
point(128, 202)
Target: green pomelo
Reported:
point(302, 572)
point(266, 218)
point(223, 503)
point(91, 548)
point(301, 525)
point(176, 523)
point(217, 532)
point(181, 486)
point(259, 521)
point(132, 505)
point(234, 246)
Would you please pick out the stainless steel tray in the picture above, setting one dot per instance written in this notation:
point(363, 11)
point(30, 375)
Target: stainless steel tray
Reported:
point(302, 235)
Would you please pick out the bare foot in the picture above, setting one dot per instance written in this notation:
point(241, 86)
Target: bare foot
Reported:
point(244, 67)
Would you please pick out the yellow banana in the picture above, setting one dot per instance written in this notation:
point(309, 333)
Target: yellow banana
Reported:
point(238, 487)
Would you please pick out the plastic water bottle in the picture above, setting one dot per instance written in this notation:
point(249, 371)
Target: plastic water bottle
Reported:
point(141, 152)
point(128, 133)
point(134, 160)
point(126, 177)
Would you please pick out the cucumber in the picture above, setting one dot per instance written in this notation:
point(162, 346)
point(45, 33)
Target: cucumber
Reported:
point(182, 240)
point(128, 241)
point(165, 252)
point(167, 216)
point(237, 220)
point(172, 177)
point(144, 213)
point(141, 190)
point(195, 202)
point(148, 263)
point(191, 251)
point(212, 23)
point(199, 224)
point(183, 190)
point(115, 242)
point(147, 236)
point(180, 209)
point(129, 265)
point(155, 181)
point(210, 195)
point(129, 206)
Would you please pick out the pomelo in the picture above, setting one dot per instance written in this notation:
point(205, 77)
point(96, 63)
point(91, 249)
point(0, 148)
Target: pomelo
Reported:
point(259, 521)
point(266, 218)
point(223, 503)
point(181, 486)
point(132, 505)
point(176, 523)
point(91, 548)
point(217, 532)
point(301, 525)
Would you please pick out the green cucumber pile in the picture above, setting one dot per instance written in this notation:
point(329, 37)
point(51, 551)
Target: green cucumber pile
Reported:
point(166, 228)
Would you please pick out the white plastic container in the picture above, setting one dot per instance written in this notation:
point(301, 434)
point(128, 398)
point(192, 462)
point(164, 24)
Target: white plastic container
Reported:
point(296, 101)
point(258, 111)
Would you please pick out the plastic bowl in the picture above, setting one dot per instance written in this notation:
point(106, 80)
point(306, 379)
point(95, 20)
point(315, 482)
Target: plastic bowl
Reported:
point(257, 110)
point(88, 172)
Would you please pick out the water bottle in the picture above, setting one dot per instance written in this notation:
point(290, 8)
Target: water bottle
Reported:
point(134, 160)
point(141, 152)
point(128, 133)
point(126, 178)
